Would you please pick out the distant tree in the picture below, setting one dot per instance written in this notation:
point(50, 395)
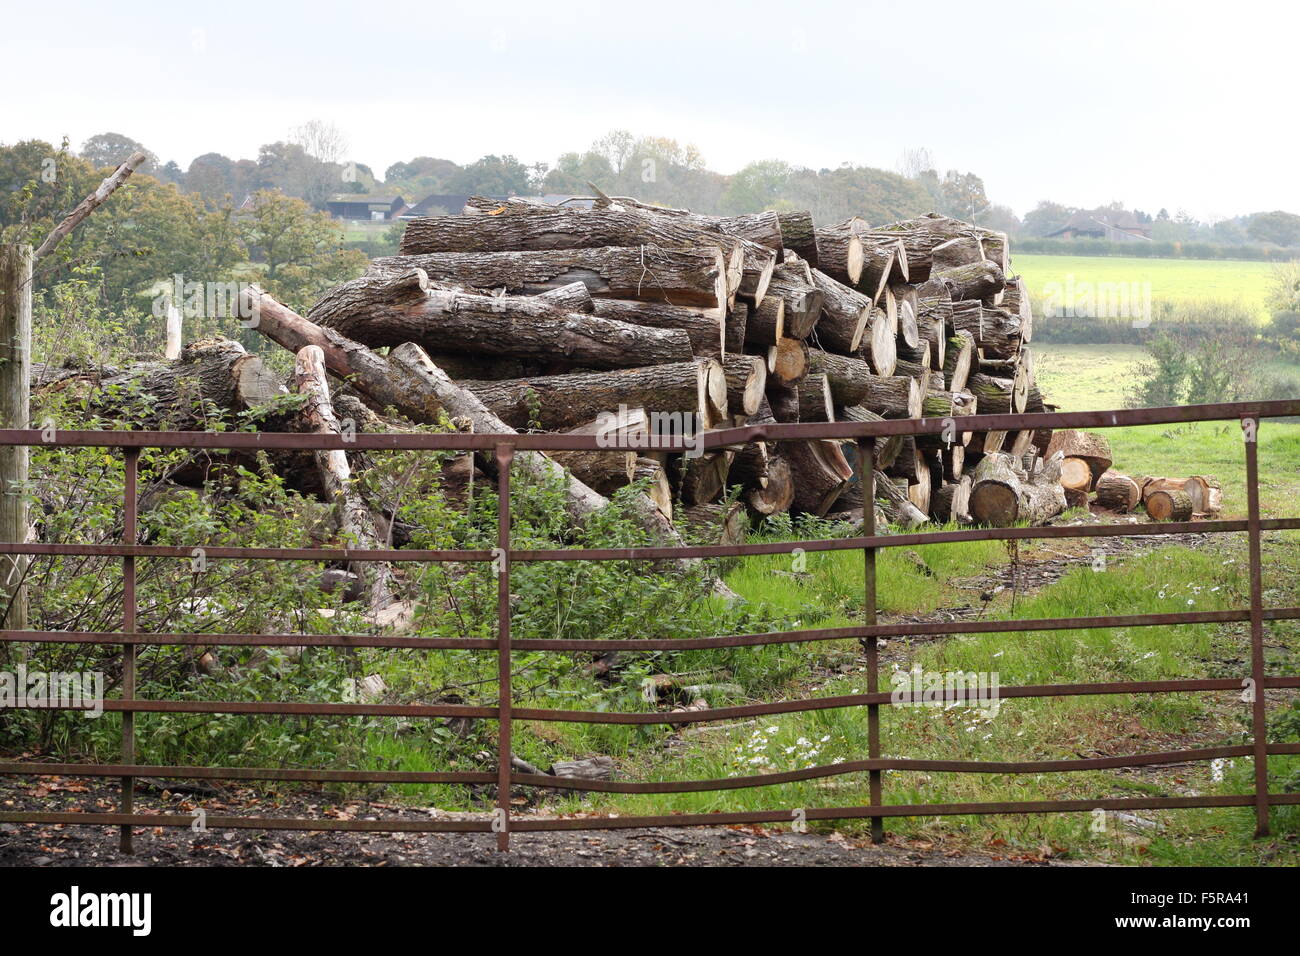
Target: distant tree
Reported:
point(1046, 218)
point(573, 171)
point(963, 196)
point(493, 176)
point(1002, 219)
point(426, 171)
point(112, 149)
point(759, 186)
point(299, 249)
point(616, 148)
point(211, 176)
point(1280, 228)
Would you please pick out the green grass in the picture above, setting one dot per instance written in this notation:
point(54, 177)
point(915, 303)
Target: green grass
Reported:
point(1177, 280)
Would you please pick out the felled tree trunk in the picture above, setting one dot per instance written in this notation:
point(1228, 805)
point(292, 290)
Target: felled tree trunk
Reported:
point(678, 276)
point(895, 397)
point(881, 347)
point(702, 325)
point(409, 382)
point(839, 252)
point(213, 379)
point(886, 448)
point(998, 396)
point(746, 377)
point(850, 378)
point(844, 317)
point(765, 324)
point(798, 235)
point(356, 523)
point(552, 228)
point(368, 311)
point(815, 402)
point(1002, 493)
point(793, 283)
point(565, 401)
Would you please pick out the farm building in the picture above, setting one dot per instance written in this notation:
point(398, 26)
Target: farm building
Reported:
point(1111, 226)
point(363, 206)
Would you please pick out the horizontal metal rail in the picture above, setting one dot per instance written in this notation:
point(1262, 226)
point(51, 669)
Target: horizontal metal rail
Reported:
point(505, 447)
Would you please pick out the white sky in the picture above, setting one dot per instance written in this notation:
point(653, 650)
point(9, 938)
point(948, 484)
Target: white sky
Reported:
point(1185, 105)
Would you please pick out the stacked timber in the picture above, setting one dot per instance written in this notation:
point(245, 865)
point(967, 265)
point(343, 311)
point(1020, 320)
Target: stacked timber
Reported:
point(560, 318)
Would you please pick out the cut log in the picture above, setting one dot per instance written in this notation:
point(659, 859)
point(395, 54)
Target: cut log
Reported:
point(678, 276)
point(798, 235)
point(958, 354)
point(783, 400)
point(896, 504)
point(734, 333)
point(574, 297)
point(356, 524)
point(409, 382)
point(746, 379)
point(998, 396)
point(650, 471)
point(793, 282)
point(816, 403)
point(844, 317)
point(952, 501)
point(718, 523)
point(787, 361)
point(603, 471)
point(897, 396)
point(701, 325)
point(961, 251)
point(1117, 492)
point(704, 477)
point(1169, 505)
point(968, 316)
point(766, 322)
point(839, 252)
point(1090, 447)
point(819, 472)
point(552, 228)
point(850, 378)
point(566, 401)
point(886, 448)
point(977, 280)
point(1075, 474)
point(881, 349)
point(777, 495)
point(524, 327)
point(1002, 494)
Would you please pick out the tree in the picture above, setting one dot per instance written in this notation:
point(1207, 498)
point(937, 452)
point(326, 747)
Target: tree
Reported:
point(915, 161)
point(300, 250)
point(963, 196)
point(1278, 227)
point(113, 149)
point(492, 176)
point(1047, 217)
point(757, 187)
point(615, 147)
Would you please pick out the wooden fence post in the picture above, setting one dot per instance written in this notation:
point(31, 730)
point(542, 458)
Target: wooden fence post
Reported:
point(15, 399)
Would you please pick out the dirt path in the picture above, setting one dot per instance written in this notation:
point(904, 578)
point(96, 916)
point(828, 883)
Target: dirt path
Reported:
point(55, 846)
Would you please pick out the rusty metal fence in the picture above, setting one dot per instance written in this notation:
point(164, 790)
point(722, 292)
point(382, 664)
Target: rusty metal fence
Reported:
point(505, 713)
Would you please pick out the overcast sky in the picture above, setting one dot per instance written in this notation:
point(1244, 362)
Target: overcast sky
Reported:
point(1185, 105)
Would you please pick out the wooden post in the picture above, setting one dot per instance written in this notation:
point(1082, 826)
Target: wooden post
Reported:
point(15, 397)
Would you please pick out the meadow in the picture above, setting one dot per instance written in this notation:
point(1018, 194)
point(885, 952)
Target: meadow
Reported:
point(1173, 280)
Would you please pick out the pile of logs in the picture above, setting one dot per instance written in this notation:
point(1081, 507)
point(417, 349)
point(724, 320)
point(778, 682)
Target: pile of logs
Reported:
point(561, 319)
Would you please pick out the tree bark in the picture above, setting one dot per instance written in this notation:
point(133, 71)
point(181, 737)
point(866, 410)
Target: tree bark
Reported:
point(819, 472)
point(777, 494)
point(952, 501)
point(765, 324)
point(523, 327)
point(1091, 447)
point(565, 401)
point(1002, 494)
point(1169, 505)
point(815, 401)
point(844, 316)
point(850, 378)
point(839, 252)
point(677, 276)
point(356, 523)
point(798, 235)
point(957, 357)
point(895, 397)
point(702, 325)
point(1117, 492)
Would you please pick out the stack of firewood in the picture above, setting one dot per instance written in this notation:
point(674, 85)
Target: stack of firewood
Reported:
point(568, 319)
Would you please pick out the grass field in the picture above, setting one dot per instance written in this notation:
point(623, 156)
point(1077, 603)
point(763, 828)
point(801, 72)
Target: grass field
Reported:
point(1171, 279)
